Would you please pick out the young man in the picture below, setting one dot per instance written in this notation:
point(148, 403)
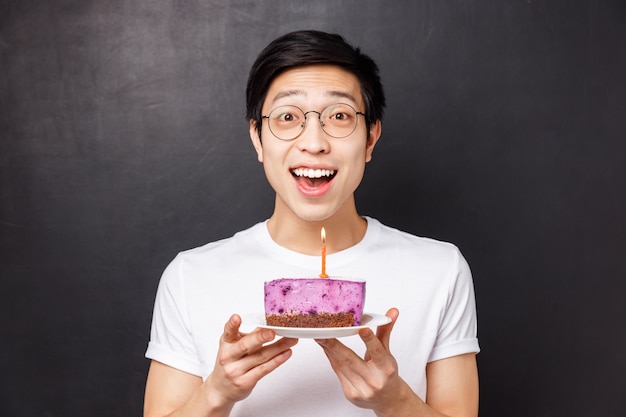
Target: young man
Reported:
point(315, 107)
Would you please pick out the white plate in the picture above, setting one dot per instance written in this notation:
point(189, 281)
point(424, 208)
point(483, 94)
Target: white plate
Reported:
point(367, 320)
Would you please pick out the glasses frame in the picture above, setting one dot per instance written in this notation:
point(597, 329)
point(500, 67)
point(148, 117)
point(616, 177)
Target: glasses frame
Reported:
point(319, 116)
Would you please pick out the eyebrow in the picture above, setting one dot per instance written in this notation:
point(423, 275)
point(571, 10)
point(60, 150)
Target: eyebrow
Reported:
point(331, 93)
point(288, 93)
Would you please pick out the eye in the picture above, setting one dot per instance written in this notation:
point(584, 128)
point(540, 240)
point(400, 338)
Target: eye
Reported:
point(340, 116)
point(285, 115)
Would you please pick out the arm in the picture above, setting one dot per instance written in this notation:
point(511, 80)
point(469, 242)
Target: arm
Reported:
point(452, 391)
point(453, 385)
point(167, 389)
point(373, 382)
point(242, 361)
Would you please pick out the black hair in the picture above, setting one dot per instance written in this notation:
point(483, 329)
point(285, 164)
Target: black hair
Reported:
point(311, 47)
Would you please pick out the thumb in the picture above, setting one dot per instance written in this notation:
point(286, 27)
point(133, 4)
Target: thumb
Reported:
point(383, 333)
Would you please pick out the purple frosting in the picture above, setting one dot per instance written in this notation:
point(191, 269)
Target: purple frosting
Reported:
point(315, 295)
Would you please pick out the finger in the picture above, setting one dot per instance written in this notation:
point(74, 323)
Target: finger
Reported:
point(237, 378)
point(252, 342)
point(342, 359)
point(378, 347)
point(375, 349)
point(259, 371)
point(383, 333)
point(237, 345)
point(267, 357)
point(329, 344)
point(346, 364)
point(231, 329)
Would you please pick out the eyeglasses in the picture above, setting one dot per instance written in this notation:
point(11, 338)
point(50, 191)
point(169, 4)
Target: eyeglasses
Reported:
point(337, 121)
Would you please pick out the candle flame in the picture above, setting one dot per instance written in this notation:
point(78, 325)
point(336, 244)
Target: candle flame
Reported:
point(323, 235)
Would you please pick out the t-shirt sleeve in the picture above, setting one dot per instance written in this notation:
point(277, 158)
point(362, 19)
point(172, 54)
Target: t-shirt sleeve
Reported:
point(458, 328)
point(171, 338)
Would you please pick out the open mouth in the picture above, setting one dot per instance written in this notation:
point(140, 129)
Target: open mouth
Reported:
point(313, 177)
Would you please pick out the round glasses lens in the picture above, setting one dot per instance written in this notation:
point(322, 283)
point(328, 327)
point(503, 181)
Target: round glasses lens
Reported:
point(286, 122)
point(339, 120)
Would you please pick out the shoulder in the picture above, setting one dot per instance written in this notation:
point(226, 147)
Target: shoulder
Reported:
point(215, 255)
point(405, 242)
point(409, 255)
point(239, 242)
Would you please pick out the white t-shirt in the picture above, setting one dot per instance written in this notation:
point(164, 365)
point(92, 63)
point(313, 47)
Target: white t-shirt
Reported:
point(427, 280)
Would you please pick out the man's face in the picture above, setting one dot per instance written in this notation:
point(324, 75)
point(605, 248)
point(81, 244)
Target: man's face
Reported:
point(290, 166)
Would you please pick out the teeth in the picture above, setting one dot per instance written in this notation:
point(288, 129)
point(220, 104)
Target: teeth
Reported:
point(313, 173)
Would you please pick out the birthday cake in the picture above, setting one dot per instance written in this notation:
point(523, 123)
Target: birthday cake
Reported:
point(314, 302)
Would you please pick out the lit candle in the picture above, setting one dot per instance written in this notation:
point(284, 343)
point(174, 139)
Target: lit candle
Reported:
point(323, 274)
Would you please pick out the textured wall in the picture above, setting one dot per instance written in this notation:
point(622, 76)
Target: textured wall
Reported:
point(123, 141)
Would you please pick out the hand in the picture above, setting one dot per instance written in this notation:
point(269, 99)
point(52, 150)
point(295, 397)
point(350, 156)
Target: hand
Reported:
point(372, 382)
point(242, 360)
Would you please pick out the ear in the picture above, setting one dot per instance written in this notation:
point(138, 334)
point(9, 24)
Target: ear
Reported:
point(375, 131)
point(256, 140)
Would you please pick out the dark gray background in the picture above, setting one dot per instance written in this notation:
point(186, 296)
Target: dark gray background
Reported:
point(123, 141)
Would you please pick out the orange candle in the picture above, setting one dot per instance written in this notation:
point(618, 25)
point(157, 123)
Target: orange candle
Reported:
point(323, 274)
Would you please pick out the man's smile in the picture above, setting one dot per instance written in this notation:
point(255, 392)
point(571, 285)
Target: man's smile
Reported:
point(312, 177)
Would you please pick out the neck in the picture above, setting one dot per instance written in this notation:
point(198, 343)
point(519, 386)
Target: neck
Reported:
point(344, 229)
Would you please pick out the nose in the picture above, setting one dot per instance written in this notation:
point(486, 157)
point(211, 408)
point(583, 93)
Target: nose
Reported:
point(319, 118)
point(313, 139)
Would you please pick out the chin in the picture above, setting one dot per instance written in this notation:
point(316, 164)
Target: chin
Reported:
point(312, 218)
point(314, 215)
